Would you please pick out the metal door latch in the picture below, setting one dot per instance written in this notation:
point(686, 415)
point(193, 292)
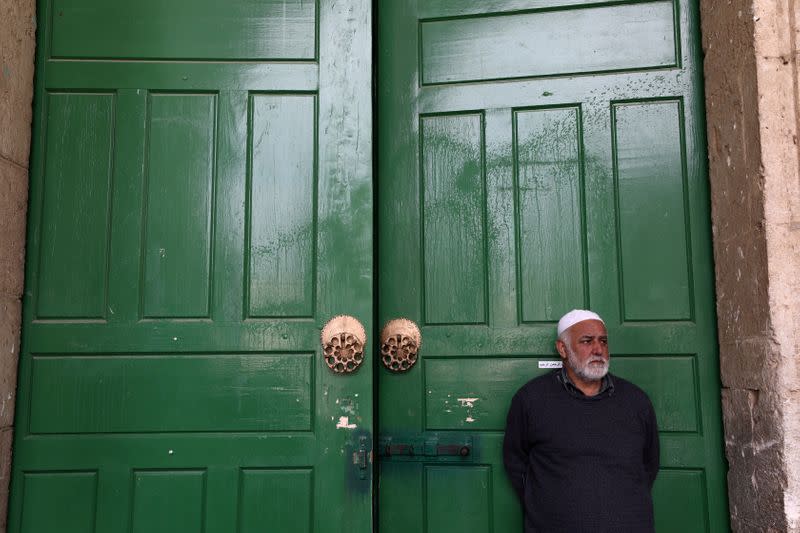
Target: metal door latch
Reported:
point(426, 447)
point(361, 458)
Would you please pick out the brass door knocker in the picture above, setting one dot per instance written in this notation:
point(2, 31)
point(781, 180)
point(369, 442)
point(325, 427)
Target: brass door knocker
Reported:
point(343, 339)
point(400, 344)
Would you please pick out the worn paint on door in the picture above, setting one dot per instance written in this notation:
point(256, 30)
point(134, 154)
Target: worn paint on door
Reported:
point(538, 156)
point(201, 205)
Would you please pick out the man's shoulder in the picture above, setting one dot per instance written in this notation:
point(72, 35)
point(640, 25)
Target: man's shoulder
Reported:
point(539, 384)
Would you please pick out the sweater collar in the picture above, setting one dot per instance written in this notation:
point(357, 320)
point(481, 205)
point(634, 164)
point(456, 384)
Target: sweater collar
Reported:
point(606, 386)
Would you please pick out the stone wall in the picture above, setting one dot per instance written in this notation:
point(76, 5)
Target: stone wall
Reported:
point(751, 104)
point(17, 28)
point(779, 105)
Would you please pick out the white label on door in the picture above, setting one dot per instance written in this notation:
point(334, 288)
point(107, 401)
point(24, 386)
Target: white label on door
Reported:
point(549, 364)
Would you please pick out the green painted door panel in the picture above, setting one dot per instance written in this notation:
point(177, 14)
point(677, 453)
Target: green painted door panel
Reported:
point(199, 208)
point(536, 156)
point(175, 30)
point(77, 207)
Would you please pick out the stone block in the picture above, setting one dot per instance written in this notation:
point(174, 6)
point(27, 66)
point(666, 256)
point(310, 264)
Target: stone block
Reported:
point(742, 306)
point(17, 43)
point(732, 98)
point(753, 445)
point(773, 27)
point(792, 497)
point(748, 364)
point(796, 27)
point(777, 113)
point(10, 320)
point(6, 446)
point(13, 207)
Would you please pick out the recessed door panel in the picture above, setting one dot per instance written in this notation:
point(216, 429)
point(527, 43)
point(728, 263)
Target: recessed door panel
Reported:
point(171, 392)
point(73, 251)
point(165, 501)
point(281, 220)
point(505, 45)
point(179, 193)
point(548, 152)
point(453, 219)
point(69, 497)
point(204, 30)
point(270, 496)
point(653, 221)
point(458, 498)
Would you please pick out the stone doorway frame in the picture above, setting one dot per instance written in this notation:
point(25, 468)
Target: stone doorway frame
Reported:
point(752, 105)
point(753, 111)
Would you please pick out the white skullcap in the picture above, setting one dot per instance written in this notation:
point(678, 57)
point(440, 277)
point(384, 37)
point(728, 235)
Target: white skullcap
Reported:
point(575, 316)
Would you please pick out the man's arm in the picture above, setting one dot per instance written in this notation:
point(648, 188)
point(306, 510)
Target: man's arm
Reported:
point(651, 450)
point(515, 445)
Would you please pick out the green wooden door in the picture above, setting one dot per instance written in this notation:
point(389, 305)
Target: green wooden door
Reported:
point(201, 205)
point(536, 156)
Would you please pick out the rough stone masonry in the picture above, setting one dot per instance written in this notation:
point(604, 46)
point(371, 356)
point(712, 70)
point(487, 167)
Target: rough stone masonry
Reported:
point(752, 111)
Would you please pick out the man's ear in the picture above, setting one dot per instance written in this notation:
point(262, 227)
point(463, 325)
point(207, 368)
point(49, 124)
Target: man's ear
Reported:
point(561, 348)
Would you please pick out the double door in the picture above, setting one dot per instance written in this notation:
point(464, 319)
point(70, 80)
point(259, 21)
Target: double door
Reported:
point(205, 199)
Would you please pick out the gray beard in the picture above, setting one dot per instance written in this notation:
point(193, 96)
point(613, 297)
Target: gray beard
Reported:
point(587, 372)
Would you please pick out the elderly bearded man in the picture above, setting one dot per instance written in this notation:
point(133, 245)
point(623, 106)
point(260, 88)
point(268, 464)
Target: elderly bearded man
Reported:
point(581, 445)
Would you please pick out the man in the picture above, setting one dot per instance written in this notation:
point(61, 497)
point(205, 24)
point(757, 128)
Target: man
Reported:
point(581, 445)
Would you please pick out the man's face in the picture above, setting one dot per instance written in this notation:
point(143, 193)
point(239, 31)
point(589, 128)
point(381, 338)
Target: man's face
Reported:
point(586, 350)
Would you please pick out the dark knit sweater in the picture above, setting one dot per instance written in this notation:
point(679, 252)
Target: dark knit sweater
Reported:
point(579, 463)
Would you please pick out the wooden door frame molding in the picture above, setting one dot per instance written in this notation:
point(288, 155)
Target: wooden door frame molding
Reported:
point(750, 80)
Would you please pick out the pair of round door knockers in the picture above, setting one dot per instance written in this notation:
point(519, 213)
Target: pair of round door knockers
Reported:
point(343, 340)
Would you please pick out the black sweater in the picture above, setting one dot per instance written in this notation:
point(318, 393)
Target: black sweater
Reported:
point(582, 464)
